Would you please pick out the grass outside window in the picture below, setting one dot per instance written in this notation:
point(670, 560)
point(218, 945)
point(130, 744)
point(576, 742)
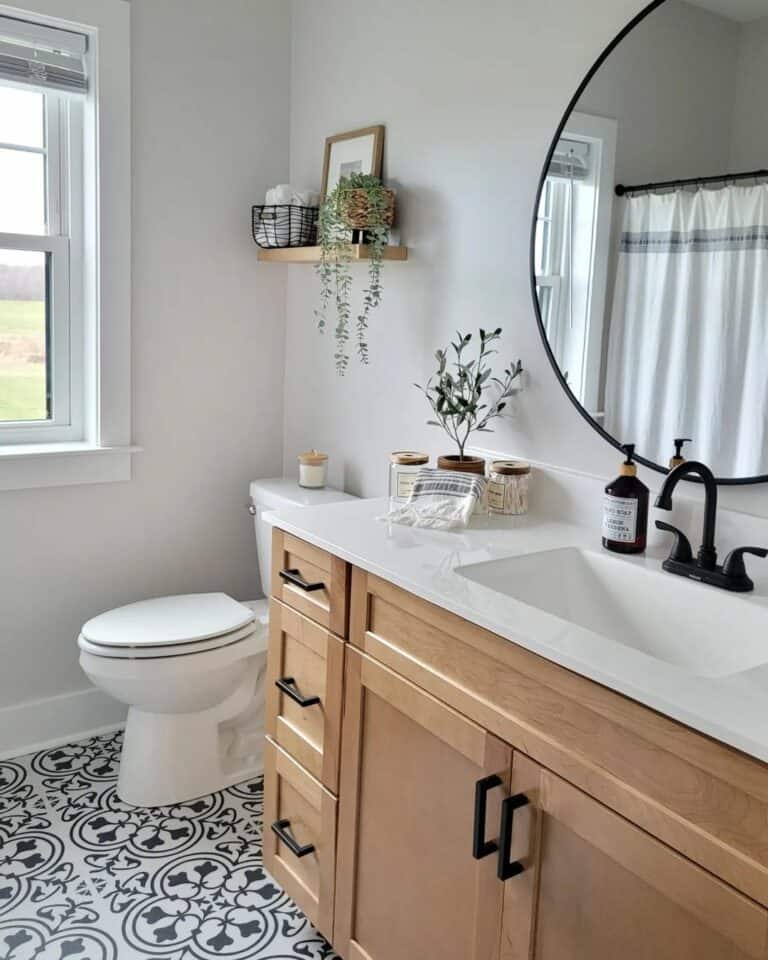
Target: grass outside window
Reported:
point(23, 386)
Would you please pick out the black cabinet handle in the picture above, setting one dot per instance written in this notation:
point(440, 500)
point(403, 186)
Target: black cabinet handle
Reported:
point(280, 828)
point(509, 868)
point(294, 577)
point(480, 846)
point(288, 686)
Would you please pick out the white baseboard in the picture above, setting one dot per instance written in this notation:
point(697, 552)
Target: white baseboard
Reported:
point(40, 724)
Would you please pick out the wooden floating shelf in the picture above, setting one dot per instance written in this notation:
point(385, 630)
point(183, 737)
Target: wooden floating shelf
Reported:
point(358, 251)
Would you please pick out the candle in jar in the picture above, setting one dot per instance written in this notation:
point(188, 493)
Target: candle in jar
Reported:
point(313, 469)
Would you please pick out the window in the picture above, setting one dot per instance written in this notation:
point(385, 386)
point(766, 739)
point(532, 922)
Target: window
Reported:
point(64, 243)
point(551, 252)
point(41, 266)
point(573, 227)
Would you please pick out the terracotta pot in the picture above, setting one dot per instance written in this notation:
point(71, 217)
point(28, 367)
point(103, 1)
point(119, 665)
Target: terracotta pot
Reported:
point(462, 464)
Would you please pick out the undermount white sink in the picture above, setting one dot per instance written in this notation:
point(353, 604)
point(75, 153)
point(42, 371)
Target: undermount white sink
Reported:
point(708, 632)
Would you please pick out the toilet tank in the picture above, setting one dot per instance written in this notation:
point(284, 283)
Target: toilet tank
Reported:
point(277, 493)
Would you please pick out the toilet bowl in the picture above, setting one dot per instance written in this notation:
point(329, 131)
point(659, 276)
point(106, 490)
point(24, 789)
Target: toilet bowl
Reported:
point(191, 669)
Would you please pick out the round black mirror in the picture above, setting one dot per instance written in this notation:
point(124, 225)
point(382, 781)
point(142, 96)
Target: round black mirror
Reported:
point(649, 252)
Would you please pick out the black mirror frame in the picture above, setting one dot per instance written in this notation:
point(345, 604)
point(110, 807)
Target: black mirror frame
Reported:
point(722, 481)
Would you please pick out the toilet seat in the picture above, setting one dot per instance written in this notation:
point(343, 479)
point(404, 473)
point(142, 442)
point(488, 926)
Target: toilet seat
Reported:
point(153, 652)
point(170, 627)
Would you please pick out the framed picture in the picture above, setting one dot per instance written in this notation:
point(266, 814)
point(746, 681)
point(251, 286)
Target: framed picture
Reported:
point(359, 151)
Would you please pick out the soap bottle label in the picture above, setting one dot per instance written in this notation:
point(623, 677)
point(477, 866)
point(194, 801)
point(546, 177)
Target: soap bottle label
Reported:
point(620, 519)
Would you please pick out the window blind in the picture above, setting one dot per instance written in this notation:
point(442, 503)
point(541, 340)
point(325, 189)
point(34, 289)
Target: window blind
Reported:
point(571, 160)
point(43, 56)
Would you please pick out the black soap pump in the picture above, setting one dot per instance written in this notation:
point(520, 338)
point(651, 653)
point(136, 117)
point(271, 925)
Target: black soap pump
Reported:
point(678, 457)
point(625, 509)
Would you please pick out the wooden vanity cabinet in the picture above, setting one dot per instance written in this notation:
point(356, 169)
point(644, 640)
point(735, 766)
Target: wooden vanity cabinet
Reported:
point(585, 883)
point(624, 835)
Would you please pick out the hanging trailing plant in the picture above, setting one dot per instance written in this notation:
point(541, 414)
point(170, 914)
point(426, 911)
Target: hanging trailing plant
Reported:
point(359, 203)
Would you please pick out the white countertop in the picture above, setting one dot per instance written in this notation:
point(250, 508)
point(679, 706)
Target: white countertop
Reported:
point(732, 709)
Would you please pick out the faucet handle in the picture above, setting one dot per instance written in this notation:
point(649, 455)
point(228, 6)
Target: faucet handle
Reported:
point(734, 568)
point(681, 548)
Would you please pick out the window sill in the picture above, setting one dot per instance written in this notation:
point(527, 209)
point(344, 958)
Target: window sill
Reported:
point(30, 466)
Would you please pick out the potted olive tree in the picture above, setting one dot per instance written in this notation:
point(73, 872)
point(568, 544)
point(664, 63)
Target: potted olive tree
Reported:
point(459, 394)
point(360, 208)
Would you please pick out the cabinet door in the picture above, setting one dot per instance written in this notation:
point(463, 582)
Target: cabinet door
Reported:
point(599, 888)
point(407, 884)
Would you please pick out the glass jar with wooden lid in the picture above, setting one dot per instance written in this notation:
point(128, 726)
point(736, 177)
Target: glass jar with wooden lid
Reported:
point(403, 470)
point(508, 487)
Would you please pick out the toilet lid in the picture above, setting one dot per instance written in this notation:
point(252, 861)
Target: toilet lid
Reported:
point(186, 619)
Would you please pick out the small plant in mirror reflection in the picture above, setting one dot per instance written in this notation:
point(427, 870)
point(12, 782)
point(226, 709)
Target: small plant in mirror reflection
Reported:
point(460, 390)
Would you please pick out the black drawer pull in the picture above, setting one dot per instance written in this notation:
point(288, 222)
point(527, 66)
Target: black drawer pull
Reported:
point(480, 846)
point(288, 686)
point(294, 577)
point(509, 868)
point(280, 828)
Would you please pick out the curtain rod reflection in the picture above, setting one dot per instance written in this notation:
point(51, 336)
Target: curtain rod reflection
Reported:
point(725, 178)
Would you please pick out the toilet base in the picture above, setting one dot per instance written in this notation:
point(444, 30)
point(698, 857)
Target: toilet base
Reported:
point(172, 758)
point(169, 759)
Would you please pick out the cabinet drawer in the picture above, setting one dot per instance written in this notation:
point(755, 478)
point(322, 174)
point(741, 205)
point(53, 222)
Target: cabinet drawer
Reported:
point(303, 714)
point(310, 580)
point(304, 815)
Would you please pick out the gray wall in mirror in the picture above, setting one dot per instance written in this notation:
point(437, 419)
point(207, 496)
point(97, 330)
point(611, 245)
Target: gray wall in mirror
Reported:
point(655, 304)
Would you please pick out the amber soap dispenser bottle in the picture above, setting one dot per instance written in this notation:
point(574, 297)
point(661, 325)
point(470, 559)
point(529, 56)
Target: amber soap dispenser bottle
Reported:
point(625, 509)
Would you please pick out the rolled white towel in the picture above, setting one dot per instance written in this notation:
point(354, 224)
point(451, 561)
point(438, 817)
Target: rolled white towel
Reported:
point(307, 198)
point(285, 193)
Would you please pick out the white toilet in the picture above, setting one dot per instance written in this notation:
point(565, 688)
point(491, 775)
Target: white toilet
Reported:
point(191, 670)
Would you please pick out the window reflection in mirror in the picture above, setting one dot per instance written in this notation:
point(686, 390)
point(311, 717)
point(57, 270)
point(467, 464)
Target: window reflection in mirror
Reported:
point(655, 303)
point(572, 246)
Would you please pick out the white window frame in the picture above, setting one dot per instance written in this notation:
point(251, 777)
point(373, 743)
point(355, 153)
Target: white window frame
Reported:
point(97, 447)
point(601, 134)
point(554, 266)
point(585, 377)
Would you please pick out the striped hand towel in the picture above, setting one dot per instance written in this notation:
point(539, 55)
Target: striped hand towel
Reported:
point(441, 499)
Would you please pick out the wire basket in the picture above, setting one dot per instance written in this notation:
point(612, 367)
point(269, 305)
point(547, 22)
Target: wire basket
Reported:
point(284, 225)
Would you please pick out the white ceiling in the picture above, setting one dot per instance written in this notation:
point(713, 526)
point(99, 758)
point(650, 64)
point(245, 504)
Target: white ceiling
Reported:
point(742, 11)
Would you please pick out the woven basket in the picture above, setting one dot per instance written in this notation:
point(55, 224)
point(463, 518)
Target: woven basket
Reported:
point(357, 209)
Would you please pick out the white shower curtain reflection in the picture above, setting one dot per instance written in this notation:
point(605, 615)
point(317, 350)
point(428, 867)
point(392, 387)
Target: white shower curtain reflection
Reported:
point(688, 348)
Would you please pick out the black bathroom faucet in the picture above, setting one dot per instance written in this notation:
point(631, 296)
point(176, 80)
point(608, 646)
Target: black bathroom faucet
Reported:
point(732, 575)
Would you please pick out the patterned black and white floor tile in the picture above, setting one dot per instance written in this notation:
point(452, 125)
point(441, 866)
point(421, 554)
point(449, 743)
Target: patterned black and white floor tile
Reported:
point(84, 876)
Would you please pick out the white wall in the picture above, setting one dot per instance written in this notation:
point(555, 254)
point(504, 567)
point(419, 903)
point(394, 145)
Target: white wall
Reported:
point(749, 149)
point(210, 133)
point(670, 86)
point(471, 96)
